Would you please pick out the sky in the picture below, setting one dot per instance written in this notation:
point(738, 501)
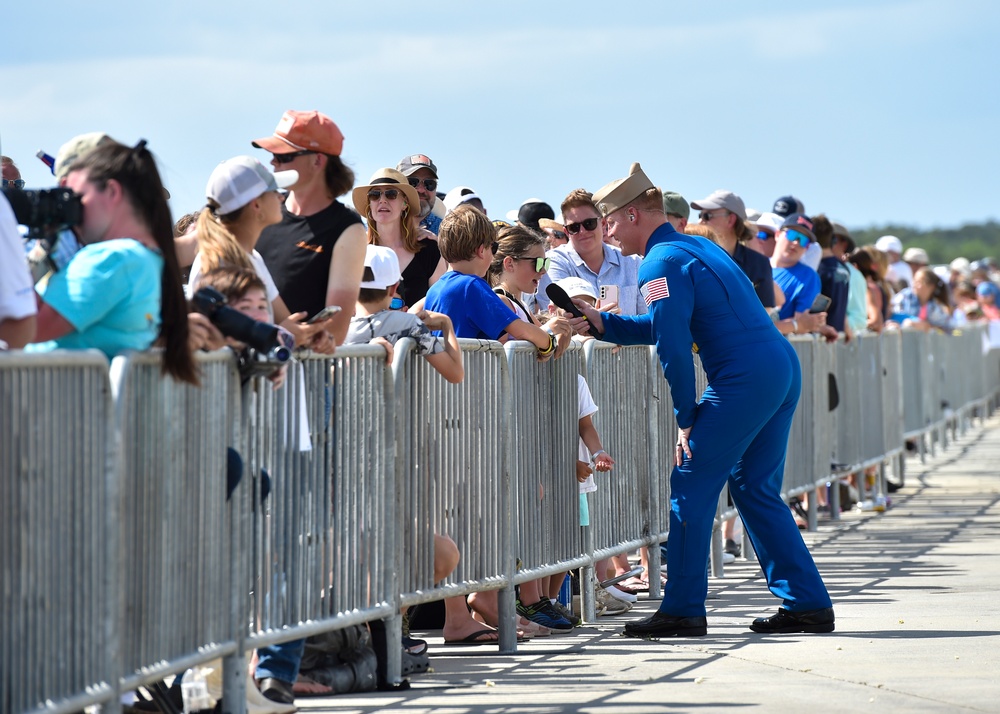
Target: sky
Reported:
point(871, 111)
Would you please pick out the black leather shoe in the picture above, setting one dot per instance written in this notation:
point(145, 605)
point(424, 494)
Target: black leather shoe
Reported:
point(277, 690)
point(787, 621)
point(661, 625)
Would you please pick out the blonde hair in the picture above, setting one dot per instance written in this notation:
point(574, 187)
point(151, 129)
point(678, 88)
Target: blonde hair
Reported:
point(217, 245)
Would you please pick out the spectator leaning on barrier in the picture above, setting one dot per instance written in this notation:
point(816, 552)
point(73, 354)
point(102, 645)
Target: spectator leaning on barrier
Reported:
point(387, 203)
point(317, 251)
point(587, 256)
point(724, 213)
point(738, 431)
point(988, 296)
point(834, 276)
point(17, 297)
point(799, 283)
point(924, 305)
point(242, 200)
point(786, 206)
point(122, 290)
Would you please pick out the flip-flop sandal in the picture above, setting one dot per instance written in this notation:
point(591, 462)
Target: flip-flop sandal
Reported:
point(414, 646)
point(473, 639)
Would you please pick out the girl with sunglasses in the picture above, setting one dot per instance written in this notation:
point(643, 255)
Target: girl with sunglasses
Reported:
point(517, 268)
point(388, 204)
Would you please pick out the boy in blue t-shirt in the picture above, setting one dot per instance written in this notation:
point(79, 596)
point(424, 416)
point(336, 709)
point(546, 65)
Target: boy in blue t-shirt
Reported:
point(467, 242)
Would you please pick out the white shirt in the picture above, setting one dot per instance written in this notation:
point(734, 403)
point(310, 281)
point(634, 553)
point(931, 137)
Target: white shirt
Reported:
point(17, 294)
point(587, 407)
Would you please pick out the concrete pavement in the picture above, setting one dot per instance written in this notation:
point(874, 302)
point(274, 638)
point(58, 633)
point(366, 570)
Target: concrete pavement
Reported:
point(917, 596)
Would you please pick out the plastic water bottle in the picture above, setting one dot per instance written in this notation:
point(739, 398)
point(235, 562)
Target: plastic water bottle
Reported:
point(194, 691)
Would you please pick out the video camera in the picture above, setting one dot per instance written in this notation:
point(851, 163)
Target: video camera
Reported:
point(265, 351)
point(49, 215)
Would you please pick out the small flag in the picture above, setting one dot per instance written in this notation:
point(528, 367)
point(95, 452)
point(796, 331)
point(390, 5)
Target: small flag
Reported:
point(654, 290)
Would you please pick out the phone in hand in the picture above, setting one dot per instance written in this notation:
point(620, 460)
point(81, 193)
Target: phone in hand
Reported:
point(325, 314)
point(608, 295)
point(820, 304)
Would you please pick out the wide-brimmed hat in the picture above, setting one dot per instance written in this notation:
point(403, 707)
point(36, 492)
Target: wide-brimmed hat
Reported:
point(386, 178)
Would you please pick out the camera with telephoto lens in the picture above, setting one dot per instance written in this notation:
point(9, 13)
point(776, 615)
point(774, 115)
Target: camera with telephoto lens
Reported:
point(49, 215)
point(266, 348)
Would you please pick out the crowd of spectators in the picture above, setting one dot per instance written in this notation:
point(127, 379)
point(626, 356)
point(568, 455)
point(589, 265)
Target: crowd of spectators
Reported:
point(411, 261)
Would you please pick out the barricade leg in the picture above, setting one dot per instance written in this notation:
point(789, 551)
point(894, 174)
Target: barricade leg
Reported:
point(507, 610)
point(234, 683)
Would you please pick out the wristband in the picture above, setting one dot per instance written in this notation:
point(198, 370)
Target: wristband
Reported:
point(795, 326)
point(598, 453)
point(551, 348)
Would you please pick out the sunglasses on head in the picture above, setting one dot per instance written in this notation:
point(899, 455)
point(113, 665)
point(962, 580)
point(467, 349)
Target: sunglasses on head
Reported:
point(429, 184)
point(541, 264)
point(13, 183)
point(795, 237)
point(391, 194)
point(574, 228)
point(289, 158)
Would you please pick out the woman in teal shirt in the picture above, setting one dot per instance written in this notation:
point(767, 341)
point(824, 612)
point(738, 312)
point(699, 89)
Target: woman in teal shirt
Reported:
point(122, 290)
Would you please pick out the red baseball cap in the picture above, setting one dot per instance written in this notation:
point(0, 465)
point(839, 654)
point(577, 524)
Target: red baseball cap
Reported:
point(303, 131)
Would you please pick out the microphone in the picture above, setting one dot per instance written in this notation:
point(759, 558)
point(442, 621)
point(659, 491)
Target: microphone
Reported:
point(561, 299)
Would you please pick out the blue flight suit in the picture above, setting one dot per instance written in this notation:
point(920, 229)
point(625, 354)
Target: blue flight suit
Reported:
point(739, 429)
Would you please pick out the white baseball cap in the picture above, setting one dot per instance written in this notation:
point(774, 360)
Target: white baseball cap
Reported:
point(457, 196)
point(575, 287)
point(237, 181)
point(384, 265)
point(889, 244)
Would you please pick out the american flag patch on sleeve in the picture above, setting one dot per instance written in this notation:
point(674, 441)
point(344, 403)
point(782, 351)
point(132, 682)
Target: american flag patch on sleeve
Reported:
point(654, 290)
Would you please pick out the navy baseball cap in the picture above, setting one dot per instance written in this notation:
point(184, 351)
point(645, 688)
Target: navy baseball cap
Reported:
point(787, 205)
point(800, 223)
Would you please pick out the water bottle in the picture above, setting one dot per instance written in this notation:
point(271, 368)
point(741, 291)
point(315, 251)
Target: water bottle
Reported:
point(566, 591)
point(194, 691)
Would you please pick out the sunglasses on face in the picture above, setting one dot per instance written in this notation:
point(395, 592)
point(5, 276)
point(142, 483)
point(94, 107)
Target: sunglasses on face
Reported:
point(396, 303)
point(706, 216)
point(588, 225)
point(559, 235)
point(494, 246)
point(13, 183)
point(796, 237)
point(764, 235)
point(429, 184)
point(391, 194)
point(541, 264)
point(289, 158)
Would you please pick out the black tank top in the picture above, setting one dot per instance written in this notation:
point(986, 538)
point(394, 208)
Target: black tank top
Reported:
point(297, 252)
point(414, 280)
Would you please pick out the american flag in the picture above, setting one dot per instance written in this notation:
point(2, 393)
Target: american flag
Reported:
point(654, 290)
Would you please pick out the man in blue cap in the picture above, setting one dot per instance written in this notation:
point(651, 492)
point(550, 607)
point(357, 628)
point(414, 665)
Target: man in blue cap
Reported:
point(738, 431)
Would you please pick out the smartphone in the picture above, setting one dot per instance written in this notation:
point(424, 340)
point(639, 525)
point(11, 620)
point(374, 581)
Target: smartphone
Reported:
point(608, 295)
point(820, 304)
point(325, 314)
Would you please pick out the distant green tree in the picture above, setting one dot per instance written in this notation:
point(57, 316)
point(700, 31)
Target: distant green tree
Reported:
point(972, 240)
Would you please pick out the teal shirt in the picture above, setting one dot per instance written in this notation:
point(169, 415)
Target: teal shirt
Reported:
point(857, 300)
point(110, 293)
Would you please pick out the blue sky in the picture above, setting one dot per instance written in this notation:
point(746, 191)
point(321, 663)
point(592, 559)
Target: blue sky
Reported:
point(870, 111)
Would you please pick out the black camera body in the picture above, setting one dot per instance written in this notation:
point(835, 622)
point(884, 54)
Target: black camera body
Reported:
point(265, 352)
point(45, 211)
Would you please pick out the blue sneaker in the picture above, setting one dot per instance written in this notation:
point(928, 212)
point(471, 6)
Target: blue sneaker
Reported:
point(542, 613)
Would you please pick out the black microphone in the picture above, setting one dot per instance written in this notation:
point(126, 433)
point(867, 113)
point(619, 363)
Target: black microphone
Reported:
point(561, 299)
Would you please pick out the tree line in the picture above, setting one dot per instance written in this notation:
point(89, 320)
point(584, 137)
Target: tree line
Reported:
point(972, 240)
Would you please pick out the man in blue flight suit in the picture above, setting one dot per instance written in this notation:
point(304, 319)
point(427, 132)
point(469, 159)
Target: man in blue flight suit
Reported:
point(739, 429)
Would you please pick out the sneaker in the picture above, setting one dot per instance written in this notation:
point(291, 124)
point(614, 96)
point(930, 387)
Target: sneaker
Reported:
point(728, 558)
point(620, 594)
point(733, 547)
point(566, 613)
point(608, 604)
point(544, 614)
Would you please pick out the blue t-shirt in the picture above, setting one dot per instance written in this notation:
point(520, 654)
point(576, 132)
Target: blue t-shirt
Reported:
point(800, 283)
point(475, 310)
point(110, 293)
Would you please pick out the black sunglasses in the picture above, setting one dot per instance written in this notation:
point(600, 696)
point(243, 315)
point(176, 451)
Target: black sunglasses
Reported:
point(574, 228)
point(289, 158)
point(391, 194)
point(430, 184)
point(494, 246)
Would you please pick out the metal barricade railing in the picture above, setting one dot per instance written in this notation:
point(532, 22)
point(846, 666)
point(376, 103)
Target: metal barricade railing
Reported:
point(544, 438)
point(452, 478)
point(59, 566)
point(320, 544)
point(175, 601)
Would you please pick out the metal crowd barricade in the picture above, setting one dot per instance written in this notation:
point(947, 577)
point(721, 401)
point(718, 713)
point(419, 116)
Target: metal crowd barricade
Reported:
point(625, 509)
point(452, 443)
point(320, 541)
point(544, 438)
point(59, 565)
point(175, 563)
